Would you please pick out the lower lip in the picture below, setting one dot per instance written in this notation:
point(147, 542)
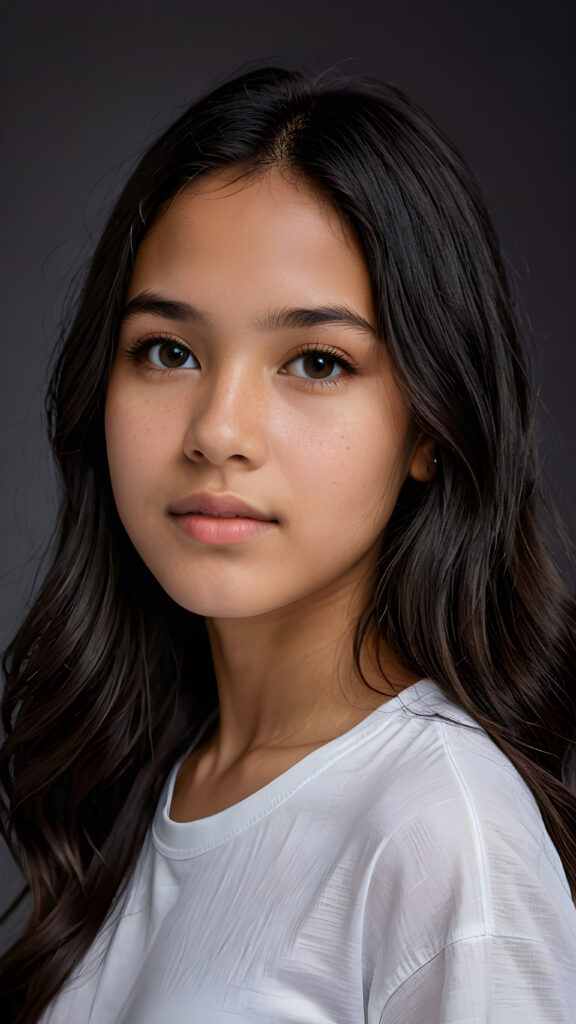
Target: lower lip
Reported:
point(221, 532)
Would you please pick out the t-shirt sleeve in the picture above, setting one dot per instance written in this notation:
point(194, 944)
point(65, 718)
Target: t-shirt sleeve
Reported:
point(469, 917)
point(500, 979)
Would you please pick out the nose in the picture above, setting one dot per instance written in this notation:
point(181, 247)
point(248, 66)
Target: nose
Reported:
point(228, 419)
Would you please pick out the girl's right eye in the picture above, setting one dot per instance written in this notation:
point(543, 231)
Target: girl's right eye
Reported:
point(165, 354)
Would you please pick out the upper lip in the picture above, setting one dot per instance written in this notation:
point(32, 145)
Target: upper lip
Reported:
point(217, 505)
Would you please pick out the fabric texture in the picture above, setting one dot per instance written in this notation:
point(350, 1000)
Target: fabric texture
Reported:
point(400, 874)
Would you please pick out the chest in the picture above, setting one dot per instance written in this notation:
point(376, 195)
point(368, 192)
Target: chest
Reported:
point(273, 932)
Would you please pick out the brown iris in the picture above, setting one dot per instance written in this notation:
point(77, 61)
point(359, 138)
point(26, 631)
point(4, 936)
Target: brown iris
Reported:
point(318, 366)
point(172, 355)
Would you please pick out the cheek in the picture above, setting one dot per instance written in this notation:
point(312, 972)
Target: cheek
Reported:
point(136, 438)
point(349, 477)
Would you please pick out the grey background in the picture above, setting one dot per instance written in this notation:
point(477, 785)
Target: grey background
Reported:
point(86, 86)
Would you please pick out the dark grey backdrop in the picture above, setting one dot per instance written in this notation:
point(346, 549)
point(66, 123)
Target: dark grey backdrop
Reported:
point(86, 85)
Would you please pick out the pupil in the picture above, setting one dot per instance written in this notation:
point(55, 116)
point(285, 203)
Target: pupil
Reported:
point(319, 366)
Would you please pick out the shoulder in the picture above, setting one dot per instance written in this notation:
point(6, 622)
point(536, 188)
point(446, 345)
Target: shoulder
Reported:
point(444, 780)
point(464, 862)
point(454, 812)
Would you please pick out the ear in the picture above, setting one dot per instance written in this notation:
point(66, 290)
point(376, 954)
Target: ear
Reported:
point(422, 465)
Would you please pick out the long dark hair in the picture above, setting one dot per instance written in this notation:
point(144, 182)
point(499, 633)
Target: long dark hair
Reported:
point(95, 710)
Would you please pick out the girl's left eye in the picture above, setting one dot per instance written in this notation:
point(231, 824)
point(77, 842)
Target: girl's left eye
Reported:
point(319, 365)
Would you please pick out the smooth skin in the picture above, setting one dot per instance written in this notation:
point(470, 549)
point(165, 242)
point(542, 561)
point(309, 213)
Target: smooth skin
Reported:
point(222, 400)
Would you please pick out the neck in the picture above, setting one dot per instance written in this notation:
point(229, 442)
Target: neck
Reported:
point(289, 679)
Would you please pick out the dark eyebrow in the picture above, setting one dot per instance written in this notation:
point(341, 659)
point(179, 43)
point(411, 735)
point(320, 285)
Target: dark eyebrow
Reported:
point(285, 318)
point(170, 309)
point(151, 302)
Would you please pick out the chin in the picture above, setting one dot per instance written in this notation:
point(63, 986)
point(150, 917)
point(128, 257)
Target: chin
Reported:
point(241, 604)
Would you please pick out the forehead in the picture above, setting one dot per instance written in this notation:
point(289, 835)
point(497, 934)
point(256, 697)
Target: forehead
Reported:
point(253, 232)
point(238, 192)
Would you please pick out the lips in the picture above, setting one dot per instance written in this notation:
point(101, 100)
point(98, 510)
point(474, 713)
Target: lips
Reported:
point(219, 507)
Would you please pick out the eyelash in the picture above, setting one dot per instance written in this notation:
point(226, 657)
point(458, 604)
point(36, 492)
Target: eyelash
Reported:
point(139, 349)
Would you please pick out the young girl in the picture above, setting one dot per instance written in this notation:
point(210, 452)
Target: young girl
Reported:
point(289, 727)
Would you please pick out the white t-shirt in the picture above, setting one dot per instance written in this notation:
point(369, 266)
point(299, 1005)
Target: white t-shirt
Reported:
point(400, 874)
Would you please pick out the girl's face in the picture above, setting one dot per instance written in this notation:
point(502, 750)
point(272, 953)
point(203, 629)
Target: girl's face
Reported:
point(248, 373)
